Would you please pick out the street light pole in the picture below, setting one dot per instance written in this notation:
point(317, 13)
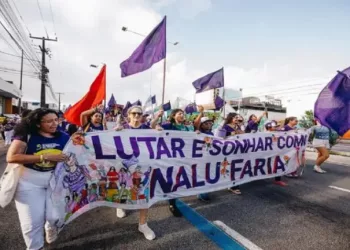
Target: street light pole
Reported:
point(59, 100)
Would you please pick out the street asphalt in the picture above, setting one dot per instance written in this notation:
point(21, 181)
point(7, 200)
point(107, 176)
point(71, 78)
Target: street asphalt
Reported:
point(306, 214)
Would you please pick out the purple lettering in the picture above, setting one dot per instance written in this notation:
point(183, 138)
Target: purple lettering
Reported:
point(250, 145)
point(260, 145)
point(227, 145)
point(247, 169)
point(195, 182)
point(234, 168)
point(241, 146)
point(269, 169)
point(290, 141)
point(148, 141)
point(268, 143)
point(98, 149)
point(281, 140)
point(165, 185)
point(259, 165)
point(162, 148)
point(278, 164)
point(217, 173)
point(196, 147)
point(215, 150)
point(184, 182)
point(177, 148)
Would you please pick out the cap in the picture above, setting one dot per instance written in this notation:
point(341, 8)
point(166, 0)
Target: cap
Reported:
point(205, 119)
point(271, 124)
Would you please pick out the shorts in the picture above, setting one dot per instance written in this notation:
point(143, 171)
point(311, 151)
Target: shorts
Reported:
point(320, 143)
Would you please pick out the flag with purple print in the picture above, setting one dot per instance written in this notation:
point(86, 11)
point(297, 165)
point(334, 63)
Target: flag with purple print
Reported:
point(149, 52)
point(191, 108)
point(153, 99)
point(219, 102)
point(112, 102)
point(137, 103)
point(125, 109)
point(332, 107)
point(167, 106)
point(211, 81)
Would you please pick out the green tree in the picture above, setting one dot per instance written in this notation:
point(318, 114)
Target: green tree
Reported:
point(307, 120)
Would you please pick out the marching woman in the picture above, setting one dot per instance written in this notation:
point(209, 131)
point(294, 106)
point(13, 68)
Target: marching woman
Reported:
point(38, 146)
point(253, 123)
point(92, 120)
point(290, 123)
point(135, 117)
point(176, 122)
point(9, 125)
point(321, 143)
point(231, 126)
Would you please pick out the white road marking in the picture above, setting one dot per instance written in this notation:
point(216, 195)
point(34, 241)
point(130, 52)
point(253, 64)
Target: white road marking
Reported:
point(340, 189)
point(238, 237)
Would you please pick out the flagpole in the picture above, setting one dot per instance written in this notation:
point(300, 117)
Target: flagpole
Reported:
point(164, 77)
point(223, 97)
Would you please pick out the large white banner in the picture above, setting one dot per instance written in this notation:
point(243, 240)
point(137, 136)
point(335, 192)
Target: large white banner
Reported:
point(134, 169)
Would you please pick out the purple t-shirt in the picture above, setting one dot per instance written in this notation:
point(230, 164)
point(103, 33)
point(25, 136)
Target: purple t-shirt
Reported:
point(251, 127)
point(287, 128)
point(228, 129)
point(39, 145)
point(143, 126)
point(93, 128)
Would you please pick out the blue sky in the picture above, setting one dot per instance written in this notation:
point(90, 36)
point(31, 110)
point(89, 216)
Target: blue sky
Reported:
point(265, 46)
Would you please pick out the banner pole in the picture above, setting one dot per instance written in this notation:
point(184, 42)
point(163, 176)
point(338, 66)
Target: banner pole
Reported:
point(164, 76)
point(223, 97)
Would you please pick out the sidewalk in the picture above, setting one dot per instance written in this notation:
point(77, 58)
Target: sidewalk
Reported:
point(3, 149)
point(336, 159)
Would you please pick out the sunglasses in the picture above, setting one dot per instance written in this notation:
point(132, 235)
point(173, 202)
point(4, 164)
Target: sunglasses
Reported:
point(136, 113)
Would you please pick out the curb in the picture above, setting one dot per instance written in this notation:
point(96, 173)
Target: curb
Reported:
point(345, 154)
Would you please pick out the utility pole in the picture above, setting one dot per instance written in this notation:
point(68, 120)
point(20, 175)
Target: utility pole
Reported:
point(20, 87)
point(59, 100)
point(44, 70)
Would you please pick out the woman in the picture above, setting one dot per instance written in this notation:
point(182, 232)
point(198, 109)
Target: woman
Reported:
point(176, 122)
point(9, 125)
point(321, 143)
point(38, 146)
point(290, 123)
point(253, 123)
point(92, 120)
point(232, 128)
point(135, 116)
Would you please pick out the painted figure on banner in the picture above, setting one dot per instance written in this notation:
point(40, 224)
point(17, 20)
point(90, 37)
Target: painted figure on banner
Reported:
point(224, 164)
point(76, 175)
point(207, 142)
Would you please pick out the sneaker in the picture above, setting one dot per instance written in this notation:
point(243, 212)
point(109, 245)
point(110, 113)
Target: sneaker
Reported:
point(203, 197)
point(121, 213)
point(175, 211)
point(318, 169)
point(51, 234)
point(280, 183)
point(147, 232)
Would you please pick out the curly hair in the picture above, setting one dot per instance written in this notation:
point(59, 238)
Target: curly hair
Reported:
point(29, 124)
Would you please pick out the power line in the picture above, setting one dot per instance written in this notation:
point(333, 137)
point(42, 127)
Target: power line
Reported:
point(42, 18)
point(3, 52)
point(53, 20)
point(19, 14)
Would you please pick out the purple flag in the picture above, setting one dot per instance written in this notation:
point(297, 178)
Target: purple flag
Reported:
point(125, 109)
point(191, 108)
point(167, 106)
point(219, 102)
point(137, 103)
point(332, 107)
point(112, 102)
point(211, 81)
point(153, 99)
point(149, 52)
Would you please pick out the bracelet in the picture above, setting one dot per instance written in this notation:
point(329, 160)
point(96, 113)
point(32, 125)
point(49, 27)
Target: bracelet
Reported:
point(41, 158)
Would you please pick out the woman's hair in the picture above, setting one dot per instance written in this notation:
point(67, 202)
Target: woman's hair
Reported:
point(89, 118)
point(173, 113)
point(229, 118)
point(29, 124)
point(72, 128)
point(289, 119)
point(134, 107)
point(250, 117)
point(25, 113)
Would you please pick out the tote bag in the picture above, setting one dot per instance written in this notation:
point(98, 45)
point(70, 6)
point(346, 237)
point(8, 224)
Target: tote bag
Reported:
point(9, 181)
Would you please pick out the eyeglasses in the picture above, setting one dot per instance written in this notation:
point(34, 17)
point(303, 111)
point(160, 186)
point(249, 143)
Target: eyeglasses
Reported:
point(136, 113)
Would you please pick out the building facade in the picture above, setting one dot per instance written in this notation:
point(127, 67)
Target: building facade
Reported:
point(9, 94)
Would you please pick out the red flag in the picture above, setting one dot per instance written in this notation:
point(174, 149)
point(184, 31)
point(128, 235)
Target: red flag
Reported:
point(95, 96)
